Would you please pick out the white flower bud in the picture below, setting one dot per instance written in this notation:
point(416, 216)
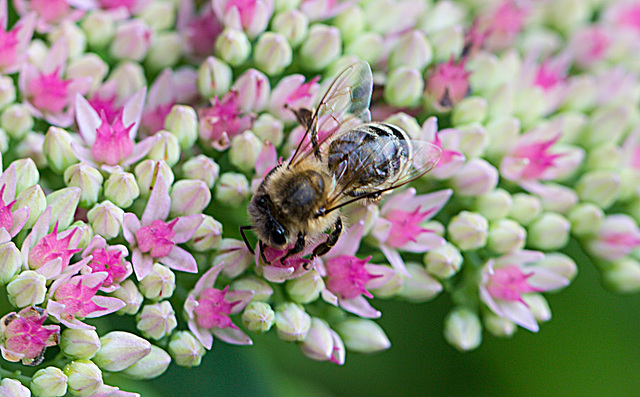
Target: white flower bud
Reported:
point(462, 329)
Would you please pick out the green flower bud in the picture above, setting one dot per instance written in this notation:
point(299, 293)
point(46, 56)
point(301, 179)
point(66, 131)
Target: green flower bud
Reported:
point(322, 46)
point(201, 168)
point(404, 87)
point(84, 378)
point(494, 205)
point(159, 15)
point(622, 276)
point(4, 141)
point(185, 349)
point(207, 236)
point(13, 388)
point(214, 77)
point(27, 288)
point(88, 65)
point(245, 149)
point(106, 219)
point(88, 179)
point(447, 43)
point(182, 122)
point(159, 283)
point(10, 261)
point(272, 53)
point(258, 317)
point(292, 24)
point(235, 256)
point(165, 51)
point(33, 198)
point(49, 382)
point(16, 120)
point(351, 23)
point(269, 128)
point(283, 5)
point(468, 230)
point(156, 320)
point(560, 264)
point(146, 172)
point(57, 149)
point(120, 350)
point(7, 92)
point(362, 336)
point(130, 295)
point(27, 174)
point(503, 133)
point(473, 139)
point(84, 234)
point(166, 148)
point(367, 46)
point(318, 345)
point(64, 203)
point(506, 235)
point(189, 197)
point(442, 15)
point(444, 261)
point(604, 157)
point(292, 322)
point(462, 329)
point(150, 366)
point(549, 232)
point(121, 189)
point(99, 27)
point(498, 326)
point(525, 208)
point(306, 288)
point(614, 119)
point(233, 189)
point(233, 47)
point(629, 183)
point(262, 291)
point(472, 109)
point(420, 287)
point(72, 34)
point(408, 123)
point(586, 219)
point(530, 105)
point(128, 77)
point(599, 187)
point(412, 50)
point(78, 344)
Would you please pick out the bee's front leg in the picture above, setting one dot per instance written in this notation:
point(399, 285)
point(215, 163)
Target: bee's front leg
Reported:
point(331, 240)
point(300, 244)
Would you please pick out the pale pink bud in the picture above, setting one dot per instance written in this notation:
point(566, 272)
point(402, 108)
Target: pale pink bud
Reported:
point(233, 47)
point(189, 197)
point(622, 276)
point(318, 345)
point(132, 40)
point(549, 232)
point(148, 171)
point(156, 320)
point(233, 189)
point(208, 235)
point(73, 35)
point(258, 317)
point(16, 120)
point(160, 15)
point(475, 178)
point(306, 288)
point(462, 329)
point(421, 286)
point(130, 295)
point(214, 77)
point(106, 219)
point(150, 366)
point(64, 203)
point(7, 91)
point(506, 235)
point(128, 77)
point(182, 121)
point(269, 128)
point(88, 179)
point(49, 381)
point(245, 149)
point(470, 110)
point(403, 87)
point(412, 50)
point(235, 255)
point(120, 350)
point(99, 27)
point(586, 219)
point(494, 205)
point(57, 149)
point(159, 283)
point(79, 344)
point(185, 349)
point(10, 261)
point(321, 47)
point(599, 187)
point(617, 237)
point(34, 199)
point(165, 51)
point(28, 288)
point(363, 336)
point(292, 24)
point(497, 325)
point(272, 53)
point(165, 148)
point(262, 291)
point(292, 322)
point(468, 230)
point(443, 262)
point(84, 378)
point(13, 388)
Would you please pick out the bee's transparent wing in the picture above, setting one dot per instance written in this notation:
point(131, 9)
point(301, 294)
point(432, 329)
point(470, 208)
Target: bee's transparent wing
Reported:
point(344, 106)
point(423, 158)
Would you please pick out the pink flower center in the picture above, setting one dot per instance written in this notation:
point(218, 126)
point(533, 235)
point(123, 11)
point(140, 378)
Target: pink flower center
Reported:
point(548, 77)
point(224, 116)
point(50, 10)
point(449, 83)
point(405, 226)
point(246, 8)
point(630, 16)
point(112, 144)
point(111, 4)
point(303, 94)
point(213, 310)
point(538, 158)
point(26, 335)
point(49, 92)
point(153, 120)
point(6, 217)
point(347, 276)
point(156, 238)
point(50, 248)
point(106, 106)
point(8, 46)
point(77, 299)
point(202, 33)
point(108, 261)
point(509, 283)
point(508, 17)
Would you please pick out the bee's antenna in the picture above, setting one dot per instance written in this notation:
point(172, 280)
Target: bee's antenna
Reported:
point(246, 242)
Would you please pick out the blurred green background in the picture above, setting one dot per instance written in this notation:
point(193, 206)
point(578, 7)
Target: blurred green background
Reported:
point(590, 347)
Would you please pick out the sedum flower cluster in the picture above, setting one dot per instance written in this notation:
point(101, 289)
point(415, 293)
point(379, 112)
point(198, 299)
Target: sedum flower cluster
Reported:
point(134, 132)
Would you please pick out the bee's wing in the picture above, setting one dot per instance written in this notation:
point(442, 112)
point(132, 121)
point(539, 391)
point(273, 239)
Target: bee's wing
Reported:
point(423, 158)
point(344, 106)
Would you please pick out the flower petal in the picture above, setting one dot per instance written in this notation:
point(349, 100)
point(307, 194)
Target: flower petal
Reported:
point(234, 336)
point(180, 259)
point(360, 306)
point(186, 227)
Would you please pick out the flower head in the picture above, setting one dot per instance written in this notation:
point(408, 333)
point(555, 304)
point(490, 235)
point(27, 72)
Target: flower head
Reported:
point(14, 43)
point(25, 338)
point(222, 121)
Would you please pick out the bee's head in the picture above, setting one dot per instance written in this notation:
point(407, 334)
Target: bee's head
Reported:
point(268, 229)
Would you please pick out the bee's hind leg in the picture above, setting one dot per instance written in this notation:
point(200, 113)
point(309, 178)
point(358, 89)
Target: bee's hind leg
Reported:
point(300, 244)
point(331, 240)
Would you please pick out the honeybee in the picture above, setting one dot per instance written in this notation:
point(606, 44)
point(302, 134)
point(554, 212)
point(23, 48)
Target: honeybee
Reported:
point(342, 158)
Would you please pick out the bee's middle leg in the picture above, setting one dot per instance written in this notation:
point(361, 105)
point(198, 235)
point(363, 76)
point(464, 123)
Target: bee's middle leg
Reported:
point(331, 240)
point(300, 244)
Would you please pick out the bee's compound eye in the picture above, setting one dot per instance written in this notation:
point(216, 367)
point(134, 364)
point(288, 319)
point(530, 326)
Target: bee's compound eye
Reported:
point(278, 235)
